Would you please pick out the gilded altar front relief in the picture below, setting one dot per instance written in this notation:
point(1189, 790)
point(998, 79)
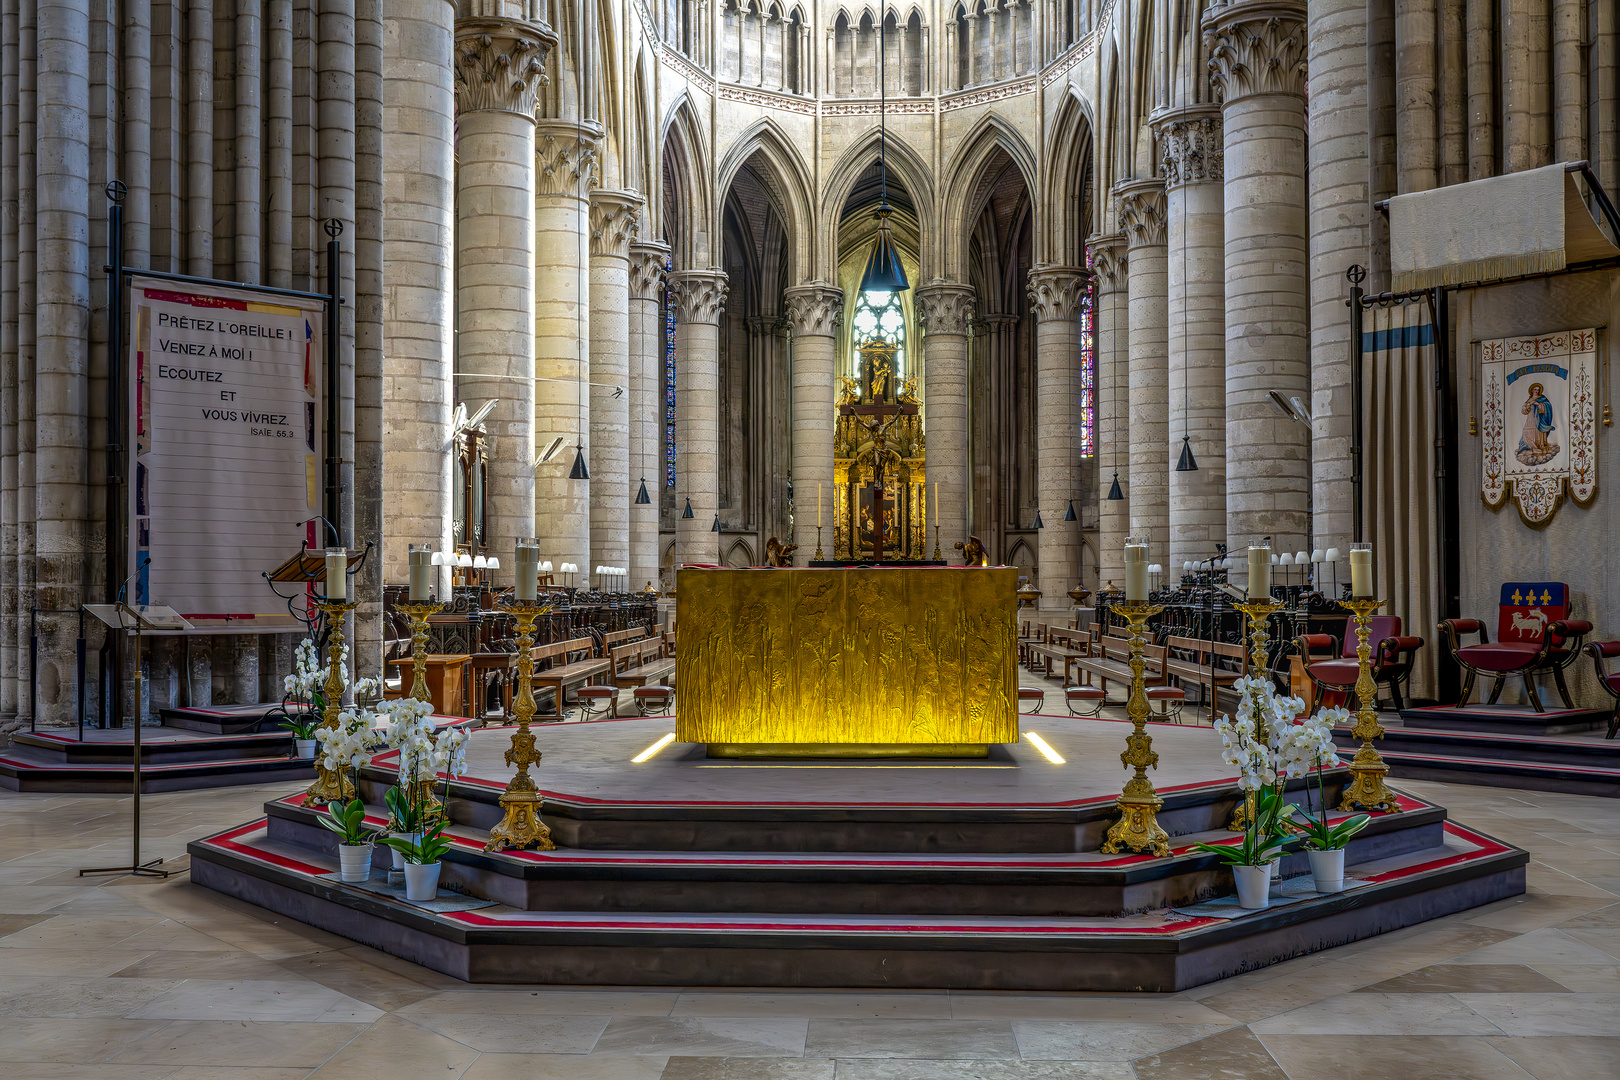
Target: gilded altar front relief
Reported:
point(1539, 421)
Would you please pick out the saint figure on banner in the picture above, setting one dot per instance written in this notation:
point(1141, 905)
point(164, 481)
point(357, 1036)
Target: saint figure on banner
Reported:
point(1535, 442)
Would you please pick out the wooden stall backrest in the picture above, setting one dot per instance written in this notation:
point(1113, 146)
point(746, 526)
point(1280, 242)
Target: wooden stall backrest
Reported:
point(1528, 607)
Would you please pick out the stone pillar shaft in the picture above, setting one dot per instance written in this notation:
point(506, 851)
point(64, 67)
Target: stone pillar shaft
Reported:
point(647, 262)
point(946, 309)
point(815, 311)
point(1113, 322)
point(1141, 210)
point(1056, 294)
point(700, 295)
point(614, 222)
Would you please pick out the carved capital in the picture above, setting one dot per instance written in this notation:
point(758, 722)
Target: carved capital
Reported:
point(1256, 47)
point(945, 307)
point(615, 221)
point(565, 158)
point(814, 309)
point(500, 64)
point(700, 295)
point(1055, 292)
point(1108, 260)
point(1141, 210)
point(1190, 142)
point(647, 263)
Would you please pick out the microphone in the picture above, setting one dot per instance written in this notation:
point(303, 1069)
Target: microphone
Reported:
point(122, 588)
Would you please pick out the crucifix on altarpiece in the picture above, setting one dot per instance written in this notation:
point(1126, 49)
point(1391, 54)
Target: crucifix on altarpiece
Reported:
point(877, 417)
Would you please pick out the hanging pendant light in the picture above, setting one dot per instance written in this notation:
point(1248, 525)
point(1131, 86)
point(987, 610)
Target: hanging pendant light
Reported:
point(579, 471)
point(1114, 494)
point(1069, 514)
point(1188, 463)
point(716, 524)
point(883, 270)
point(641, 496)
point(688, 511)
point(1039, 524)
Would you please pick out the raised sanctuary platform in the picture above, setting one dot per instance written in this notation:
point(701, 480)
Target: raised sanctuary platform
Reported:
point(687, 870)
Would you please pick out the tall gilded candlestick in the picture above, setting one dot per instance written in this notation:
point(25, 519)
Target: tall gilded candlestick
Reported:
point(332, 785)
point(521, 827)
point(1367, 768)
point(1138, 828)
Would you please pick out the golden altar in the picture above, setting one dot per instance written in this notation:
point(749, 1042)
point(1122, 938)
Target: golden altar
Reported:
point(859, 662)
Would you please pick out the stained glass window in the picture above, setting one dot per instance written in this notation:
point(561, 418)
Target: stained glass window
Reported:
point(1088, 369)
point(880, 315)
point(669, 380)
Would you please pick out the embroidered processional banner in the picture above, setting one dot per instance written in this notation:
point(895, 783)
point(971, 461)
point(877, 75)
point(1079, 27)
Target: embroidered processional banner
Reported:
point(1539, 421)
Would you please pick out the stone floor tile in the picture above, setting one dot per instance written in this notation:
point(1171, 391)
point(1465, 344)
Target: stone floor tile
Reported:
point(514, 1034)
point(87, 932)
point(867, 1004)
point(1469, 978)
point(231, 1072)
point(1522, 914)
point(721, 1068)
point(1584, 978)
point(230, 964)
point(56, 1039)
point(1548, 1014)
point(1564, 1058)
point(830, 1038)
point(564, 1067)
point(1379, 1014)
point(350, 972)
point(82, 998)
point(56, 1070)
point(1261, 999)
point(10, 924)
point(66, 963)
point(703, 1036)
point(916, 1069)
point(1599, 918)
point(230, 1042)
point(549, 1002)
point(32, 900)
point(254, 999)
point(1125, 1008)
point(171, 936)
point(1538, 947)
point(1080, 1041)
point(394, 1049)
point(1230, 1055)
point(1336, 1057)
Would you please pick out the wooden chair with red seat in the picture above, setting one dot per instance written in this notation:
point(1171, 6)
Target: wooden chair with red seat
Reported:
point(1534, 636)
point(1390, 658)
point(1601, 651)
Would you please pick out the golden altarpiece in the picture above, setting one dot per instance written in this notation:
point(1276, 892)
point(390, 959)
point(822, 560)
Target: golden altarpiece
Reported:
point(880, 495)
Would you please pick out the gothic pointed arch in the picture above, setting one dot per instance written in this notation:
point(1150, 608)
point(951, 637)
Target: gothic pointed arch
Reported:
point(992, 134)
point(1070, 178)
point(689, 204)
point(766, 149)
point(915, 176)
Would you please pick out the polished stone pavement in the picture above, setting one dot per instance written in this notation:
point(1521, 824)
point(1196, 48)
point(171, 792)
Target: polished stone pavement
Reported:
point(125, 978)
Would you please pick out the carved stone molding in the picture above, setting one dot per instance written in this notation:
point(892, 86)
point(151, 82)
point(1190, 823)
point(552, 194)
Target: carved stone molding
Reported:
point(1256, 47)
point(945, 307)
point(700, 295)
point(1190, 141)
point(565, 158)
point(1108, 260)
point(814, 309)
point(615, 221)
point(500, 64)
point(1055, 292)
point(1141, 210)
point(647, 262)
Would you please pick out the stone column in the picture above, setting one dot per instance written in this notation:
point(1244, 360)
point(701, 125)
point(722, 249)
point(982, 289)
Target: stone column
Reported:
point(615, 217)
point(1258, 68)
point(565, 170)
point(647, 263)
point(1141, 212)
point(815, 311)
point(1113, 322)
point(499, 67)
point(1055, 295)
point(1196, 278)
point(700, 295)
point(418, 230)
point(945, 310)
point(1339, 237)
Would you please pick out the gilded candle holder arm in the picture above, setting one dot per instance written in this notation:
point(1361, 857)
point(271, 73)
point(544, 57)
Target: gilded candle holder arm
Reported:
point(520, 827)
point(1138, 828)
point(1367, 769)
point(332, 785)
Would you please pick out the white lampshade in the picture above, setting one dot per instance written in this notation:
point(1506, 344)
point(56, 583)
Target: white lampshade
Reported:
point(1156, 568)
point(492, 563)
point(545, 567)
point(1316, 555)
point(1285, 560)
point(479, 562)
point(1301, 558)
point(439, 559)
point(1186, 567)
point(464, 559)
point(1273, 558)
point(1331, 556)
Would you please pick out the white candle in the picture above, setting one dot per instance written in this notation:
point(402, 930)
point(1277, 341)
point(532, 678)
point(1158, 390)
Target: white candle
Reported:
point(420, 563)
point(1361, 585)
point(818, 505)
point(1136, 570)
point(1259, 573)
point(337, 574)
point(936, 504)
point(526, 564)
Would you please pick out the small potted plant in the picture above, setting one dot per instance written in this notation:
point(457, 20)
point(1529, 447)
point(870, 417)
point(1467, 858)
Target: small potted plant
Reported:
point(348, 820)
point(1325, 843)
point(412, 804)
point(303, 732)
point(421, 854)
point(404, 820)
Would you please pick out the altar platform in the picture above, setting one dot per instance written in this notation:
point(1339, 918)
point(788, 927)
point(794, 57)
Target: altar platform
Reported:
point(682, 870)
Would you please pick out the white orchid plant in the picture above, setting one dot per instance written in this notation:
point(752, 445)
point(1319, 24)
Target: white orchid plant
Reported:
point(305, 697)
point(1268, 748)
point(425, 754)
point(1315, 740)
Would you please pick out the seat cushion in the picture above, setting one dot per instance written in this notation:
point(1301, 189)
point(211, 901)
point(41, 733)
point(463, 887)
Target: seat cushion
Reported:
point(1379, 628)
point(595, 692)
point(1165, 693)
point(1085, 693)
point(1499, 655)
point(1336, 672)
point(1031, 693)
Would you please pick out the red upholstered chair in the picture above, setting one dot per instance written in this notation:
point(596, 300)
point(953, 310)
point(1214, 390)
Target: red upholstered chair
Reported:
point(1534, 636)
point(1390, 657)
point(1601, 651)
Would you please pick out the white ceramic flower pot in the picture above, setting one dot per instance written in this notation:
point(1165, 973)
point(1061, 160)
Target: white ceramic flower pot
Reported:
point(354, 862)
point(303, 749)
point(421, 881)
point(399, 859)
point(1327, 869)
point(1253, 886)
point(1275, 883)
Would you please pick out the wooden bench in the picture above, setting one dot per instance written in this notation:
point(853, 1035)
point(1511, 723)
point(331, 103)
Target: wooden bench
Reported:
point(569, 664)
point(641, 663)
point(1210, 665)
point(1042, 657)
point(1111, 660)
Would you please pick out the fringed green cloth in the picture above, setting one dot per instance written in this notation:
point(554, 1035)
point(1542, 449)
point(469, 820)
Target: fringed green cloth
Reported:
point(1532, 222)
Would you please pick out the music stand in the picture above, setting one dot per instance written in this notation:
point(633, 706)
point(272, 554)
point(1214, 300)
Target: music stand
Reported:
point(132, 619)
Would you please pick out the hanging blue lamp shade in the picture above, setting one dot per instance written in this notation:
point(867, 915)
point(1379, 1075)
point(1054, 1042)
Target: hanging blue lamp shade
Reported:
point(1188, 463)
point(883, 270)
point(641, 496)
point(1069, 514)
point(1114, 494)
point(688, 511)
point(579, 472)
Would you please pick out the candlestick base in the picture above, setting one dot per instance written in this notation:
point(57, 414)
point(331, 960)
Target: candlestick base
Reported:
point(520, 826)
point(1367, 769)
point(937, 556)
point(332, 785)
point(1138, 828)
point(819, 556)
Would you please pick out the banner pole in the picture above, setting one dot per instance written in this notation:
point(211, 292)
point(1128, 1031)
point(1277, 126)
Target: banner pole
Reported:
point(116, 531)
point(334, 385)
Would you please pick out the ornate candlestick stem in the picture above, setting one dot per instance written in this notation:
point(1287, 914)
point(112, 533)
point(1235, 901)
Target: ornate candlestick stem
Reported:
point(1257, 613)
point(419, 634)
point(819, 555)
point(1367, 768)
point(937, 556)
point(1138, 829)
point(522, 828)
point(331, 785)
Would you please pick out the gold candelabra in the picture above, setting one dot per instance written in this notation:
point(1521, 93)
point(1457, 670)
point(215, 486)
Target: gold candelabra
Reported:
point(1138, 829)
point(419, 634)
point(1367, 768)
point(521, 827)
point(819, 555)
point(1257, 613)
point(331, 785)
point(937, 556)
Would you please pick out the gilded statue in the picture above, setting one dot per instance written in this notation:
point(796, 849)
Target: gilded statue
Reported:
point(908, 392)
point(778, 554)
point(972, 550)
